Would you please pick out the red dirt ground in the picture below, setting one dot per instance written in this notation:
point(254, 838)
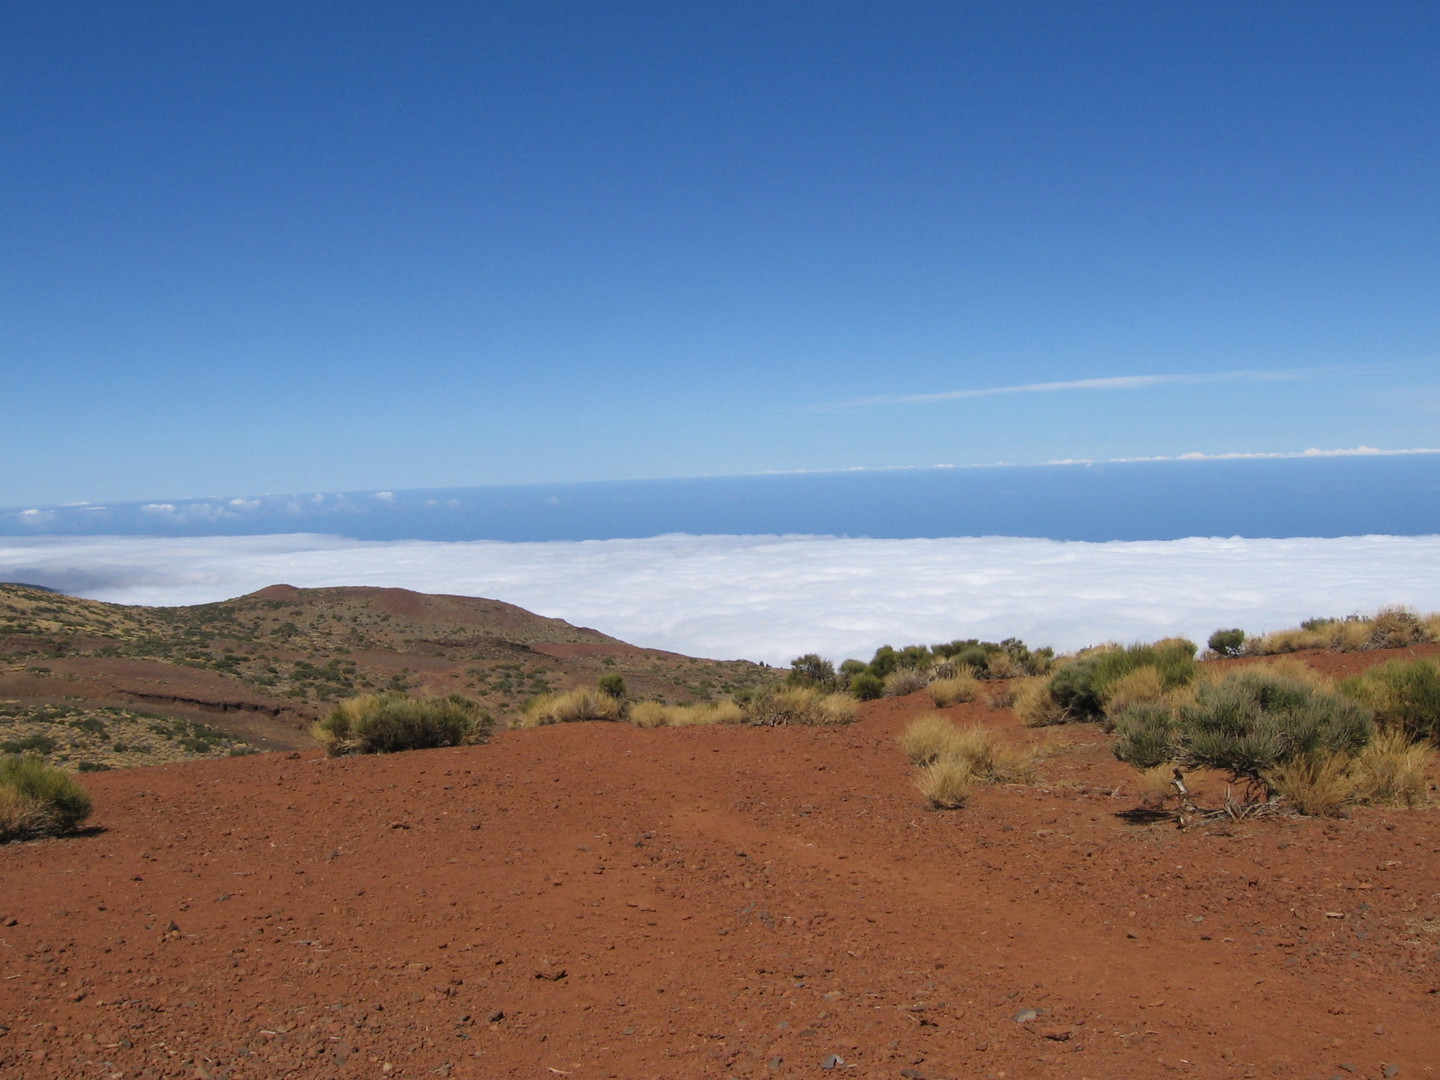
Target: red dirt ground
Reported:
point(600, 901)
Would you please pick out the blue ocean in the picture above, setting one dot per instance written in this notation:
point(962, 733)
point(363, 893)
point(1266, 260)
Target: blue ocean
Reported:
point(1288, 497)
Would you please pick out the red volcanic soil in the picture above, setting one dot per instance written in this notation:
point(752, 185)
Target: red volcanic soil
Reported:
point(600, 901)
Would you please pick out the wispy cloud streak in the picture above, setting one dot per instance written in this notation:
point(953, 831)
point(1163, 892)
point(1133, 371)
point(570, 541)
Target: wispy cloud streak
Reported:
point(1116, 382)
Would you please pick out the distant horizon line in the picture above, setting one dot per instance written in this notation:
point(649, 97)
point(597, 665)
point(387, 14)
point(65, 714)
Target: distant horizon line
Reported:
point(33, 514)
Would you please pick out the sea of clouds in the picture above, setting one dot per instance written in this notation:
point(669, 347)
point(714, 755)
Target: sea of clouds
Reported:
point(772, 598)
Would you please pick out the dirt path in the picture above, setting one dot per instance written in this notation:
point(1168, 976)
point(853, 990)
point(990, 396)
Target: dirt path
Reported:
point(599, 901)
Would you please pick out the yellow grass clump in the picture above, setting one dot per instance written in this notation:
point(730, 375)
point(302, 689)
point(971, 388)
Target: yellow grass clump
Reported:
point(652, 714)
point(802, 705)
point(954, 690)
point(1388, 628)
point(1297, 670)
point(571, 706)
point(19, 816)
point(951, 759)
point(649, 714)
point(1001, 665)
point(1157, 784)
point(1392, 770)
point(928, 738)
point(1033, 703)
point(946, 783)
point(37, 799)
point(1141, 686)
point(1319, 786)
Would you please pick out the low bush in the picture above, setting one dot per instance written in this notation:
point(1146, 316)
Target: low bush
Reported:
point(1227, 642)
point(1146, 735)
point(393, 721)
point(800, 705)
point(649, 714)
point(1080, 686)
point(1405, 695)
point(37, 799)
point(1143, 686)
point(1248, 725)
point(904, 681)
point(954, 690)
point(29, 744)
point(814, 671)
point(1389, 628)
point(866, 687)
point(1395, 628)
point(984, 659)
point(572, 706)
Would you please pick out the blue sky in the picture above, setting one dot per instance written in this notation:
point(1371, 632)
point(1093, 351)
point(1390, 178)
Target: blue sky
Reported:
point(267, 248)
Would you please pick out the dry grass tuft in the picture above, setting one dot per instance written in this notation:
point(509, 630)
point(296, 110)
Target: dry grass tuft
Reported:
point(570, 707)
point(37, 799)
point(1001, 665)
point(1143, 686)
point(1393, 771)
point(1157, 784)
point(954, 690)
point(946, 783)
point(932, 740)
point(905, 681)
point(1034, 704)
point(1296, 670)
point(802, 705)
point(19, 817)
point(992, 759)
point(928, 738)
point(653, 714)
point(1320, 786)
point(649, 714)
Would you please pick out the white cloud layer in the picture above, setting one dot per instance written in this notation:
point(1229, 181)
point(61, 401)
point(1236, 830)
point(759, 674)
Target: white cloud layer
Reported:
point(772, 598)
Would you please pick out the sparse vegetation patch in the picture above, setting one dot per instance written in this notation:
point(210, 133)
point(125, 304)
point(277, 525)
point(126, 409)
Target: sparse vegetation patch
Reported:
point(391, 722)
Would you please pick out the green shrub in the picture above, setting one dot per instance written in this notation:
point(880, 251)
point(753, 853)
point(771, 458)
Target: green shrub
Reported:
point(1146, 735)
point(1227, 642)
point(1249, 725)
point(612, 683)
point(1079, 688)
point(983, 659)
point(37, 799)
point(393, 721)
point(814, 670)
point(29, 744)
point(1405, 695)
point(866, 687)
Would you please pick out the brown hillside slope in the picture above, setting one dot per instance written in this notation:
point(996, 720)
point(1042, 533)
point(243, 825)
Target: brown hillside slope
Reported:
point(594, 900)
point(264, 667)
